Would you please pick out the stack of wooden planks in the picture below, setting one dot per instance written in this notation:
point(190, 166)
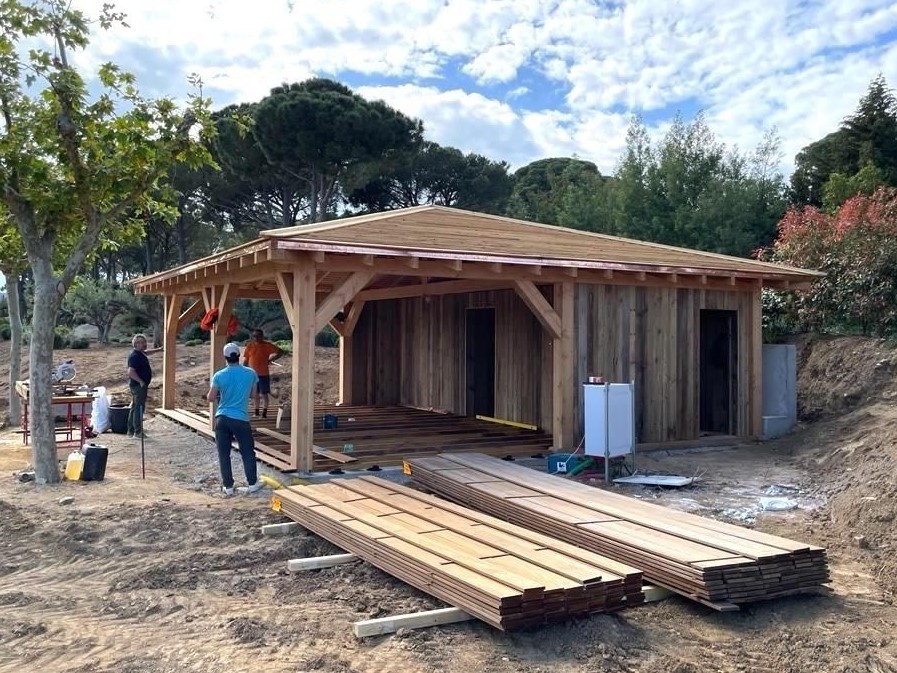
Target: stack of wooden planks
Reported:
point(504, 575)
point(715, 563)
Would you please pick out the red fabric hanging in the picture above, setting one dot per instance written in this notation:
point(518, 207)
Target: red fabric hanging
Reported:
point(209, 319)
point(232, 325)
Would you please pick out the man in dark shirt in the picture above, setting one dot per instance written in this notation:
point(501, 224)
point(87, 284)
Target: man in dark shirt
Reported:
point(139, 376)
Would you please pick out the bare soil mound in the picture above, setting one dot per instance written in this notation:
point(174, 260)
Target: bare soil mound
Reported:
point(848, 387)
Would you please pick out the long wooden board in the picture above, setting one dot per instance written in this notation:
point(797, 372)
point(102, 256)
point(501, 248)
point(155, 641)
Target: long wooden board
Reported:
point(502, 574)
point(715, 563)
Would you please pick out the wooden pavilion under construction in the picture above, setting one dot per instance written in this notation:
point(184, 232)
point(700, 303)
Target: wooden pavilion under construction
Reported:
point(446, 316)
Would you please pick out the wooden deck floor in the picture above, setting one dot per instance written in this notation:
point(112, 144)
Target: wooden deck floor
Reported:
point(367, 436)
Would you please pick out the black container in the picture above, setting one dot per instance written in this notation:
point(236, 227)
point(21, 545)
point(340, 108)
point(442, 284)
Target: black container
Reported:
point(95, 457)
point(330, 422)
point(118, 418)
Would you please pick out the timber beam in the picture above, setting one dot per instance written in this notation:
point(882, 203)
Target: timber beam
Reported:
point(186, 316)
point(342, 295)
point(508, 272)
point(538, 304)
point(434, 289)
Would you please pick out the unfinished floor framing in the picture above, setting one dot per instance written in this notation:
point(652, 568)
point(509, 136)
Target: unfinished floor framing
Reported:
point(376, 436)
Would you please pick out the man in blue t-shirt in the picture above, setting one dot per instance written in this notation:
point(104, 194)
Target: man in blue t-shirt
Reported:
point(231, 387)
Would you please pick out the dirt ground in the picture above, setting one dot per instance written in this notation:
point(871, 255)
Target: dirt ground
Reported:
point(163, 575)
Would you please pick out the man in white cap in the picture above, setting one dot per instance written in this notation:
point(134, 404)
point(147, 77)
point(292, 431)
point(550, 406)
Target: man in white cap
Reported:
point(232, 387)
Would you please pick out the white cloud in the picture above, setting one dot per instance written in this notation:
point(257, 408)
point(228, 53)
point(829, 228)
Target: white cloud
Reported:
point(471, 69)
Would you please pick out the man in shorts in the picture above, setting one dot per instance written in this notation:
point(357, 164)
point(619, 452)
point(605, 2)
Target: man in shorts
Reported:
point(259, 354)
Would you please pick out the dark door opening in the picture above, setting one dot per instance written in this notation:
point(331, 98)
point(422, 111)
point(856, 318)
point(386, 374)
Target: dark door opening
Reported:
point(719, 372)
point(481, 362)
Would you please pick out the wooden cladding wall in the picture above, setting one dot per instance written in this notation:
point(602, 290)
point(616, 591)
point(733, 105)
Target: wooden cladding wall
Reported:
point(652, 336)
point(412, 352)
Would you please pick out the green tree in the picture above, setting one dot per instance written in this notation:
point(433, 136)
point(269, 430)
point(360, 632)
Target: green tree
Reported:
point(867, 137)
point(329, 138)
point(839, 187)
point(73, 165)
point(872, 131)
point(12, 264)
point(541, 187)
point(251, 193)
point(691, 191)
point(814, 164)
point(97, 303)
point(436, 175)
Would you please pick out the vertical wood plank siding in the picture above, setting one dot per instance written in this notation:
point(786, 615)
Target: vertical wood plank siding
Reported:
point(412, 352)
point(416, 353)
point(651, 335)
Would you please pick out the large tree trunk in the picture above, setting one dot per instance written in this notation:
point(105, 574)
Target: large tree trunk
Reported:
point(15, 347)
point(40, 417)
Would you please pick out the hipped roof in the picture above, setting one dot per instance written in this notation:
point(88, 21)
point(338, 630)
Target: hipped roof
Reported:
point(443, 233)
point(451, 230)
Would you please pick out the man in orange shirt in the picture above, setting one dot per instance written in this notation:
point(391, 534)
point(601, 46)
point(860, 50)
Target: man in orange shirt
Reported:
point(258, 354)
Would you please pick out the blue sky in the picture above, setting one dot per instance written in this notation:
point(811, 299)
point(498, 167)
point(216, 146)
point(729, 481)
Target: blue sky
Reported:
point(521, 80)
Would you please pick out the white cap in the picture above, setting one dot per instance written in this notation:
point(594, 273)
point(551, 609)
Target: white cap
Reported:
point(231, 349)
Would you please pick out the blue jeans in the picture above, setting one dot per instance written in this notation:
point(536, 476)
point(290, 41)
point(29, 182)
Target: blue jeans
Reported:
point(226, 431)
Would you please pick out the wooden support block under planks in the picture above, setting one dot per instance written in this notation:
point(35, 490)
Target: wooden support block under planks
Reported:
point(319, 562)
point(714, 563)
point(416, 620)
point(502, 574)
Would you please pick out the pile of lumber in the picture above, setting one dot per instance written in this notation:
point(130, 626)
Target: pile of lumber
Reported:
point(504, 575)
point(715, 563)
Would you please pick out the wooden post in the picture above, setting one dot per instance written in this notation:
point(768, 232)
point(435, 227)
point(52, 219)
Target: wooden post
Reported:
point(222, 299)
point(564, 369)
point(756, 355)
point(300, 308)
point(169, 355)
point(346, 349)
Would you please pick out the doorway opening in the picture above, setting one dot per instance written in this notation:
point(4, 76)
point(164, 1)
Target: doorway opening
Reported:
point(481, 362)
point(719, 372)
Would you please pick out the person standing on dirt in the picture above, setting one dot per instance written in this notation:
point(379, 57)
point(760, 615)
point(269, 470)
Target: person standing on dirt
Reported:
point(231, 387)
point(140, 373)
point(259, 354)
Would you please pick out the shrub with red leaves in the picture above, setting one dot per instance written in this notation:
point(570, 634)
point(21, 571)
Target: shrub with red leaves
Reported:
point(857, 249)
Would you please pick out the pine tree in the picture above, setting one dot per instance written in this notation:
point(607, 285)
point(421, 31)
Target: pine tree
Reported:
point(872, 131)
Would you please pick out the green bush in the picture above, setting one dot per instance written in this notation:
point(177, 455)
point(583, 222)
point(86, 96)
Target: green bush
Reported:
point(242, 334)
point(193, 332)
point(193, 342)
point(281, 334)
point(5, 332)
point(327, 337)
point(60, 340)
point(79, 343)
point(285, 346)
